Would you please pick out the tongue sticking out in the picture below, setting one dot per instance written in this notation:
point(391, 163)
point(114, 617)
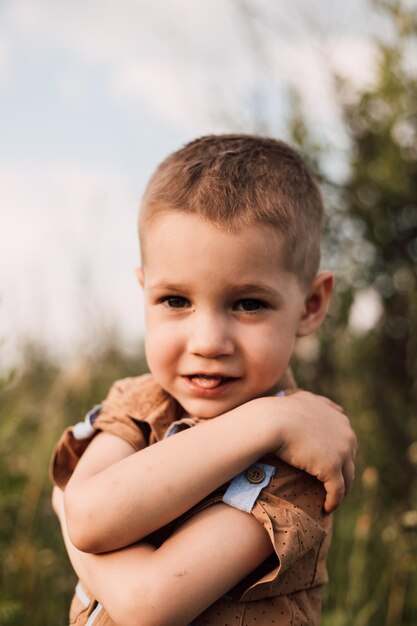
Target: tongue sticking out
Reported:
point(208, 382)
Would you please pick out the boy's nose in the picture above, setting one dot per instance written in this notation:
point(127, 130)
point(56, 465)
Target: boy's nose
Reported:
point(210, 336)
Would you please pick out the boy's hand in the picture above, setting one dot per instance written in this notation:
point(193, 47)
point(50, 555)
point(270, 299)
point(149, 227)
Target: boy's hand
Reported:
point(318, 438)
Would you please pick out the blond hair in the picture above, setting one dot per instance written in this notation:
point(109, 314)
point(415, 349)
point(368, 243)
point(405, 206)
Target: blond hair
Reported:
point(234, 181)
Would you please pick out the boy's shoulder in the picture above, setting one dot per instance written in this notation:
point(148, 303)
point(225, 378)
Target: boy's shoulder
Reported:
point(139, 402)
point(135, 396)
point(135, 409)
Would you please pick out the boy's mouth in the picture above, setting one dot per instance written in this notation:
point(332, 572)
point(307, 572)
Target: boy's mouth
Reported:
point(206, 381)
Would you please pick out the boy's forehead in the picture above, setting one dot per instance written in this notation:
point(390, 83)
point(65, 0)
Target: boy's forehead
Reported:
point(177, 245)
point(172, 227)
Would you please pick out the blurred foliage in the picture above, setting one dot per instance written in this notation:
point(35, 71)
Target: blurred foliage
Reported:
point(36, 404)
point(371, 240)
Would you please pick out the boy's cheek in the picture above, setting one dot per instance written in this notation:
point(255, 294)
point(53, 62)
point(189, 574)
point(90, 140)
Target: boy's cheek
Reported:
point(158, 352)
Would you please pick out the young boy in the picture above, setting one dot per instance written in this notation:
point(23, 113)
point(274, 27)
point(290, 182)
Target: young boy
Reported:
point(187, 506)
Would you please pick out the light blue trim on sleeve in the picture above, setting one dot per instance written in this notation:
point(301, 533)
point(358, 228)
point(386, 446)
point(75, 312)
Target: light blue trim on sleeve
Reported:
point(82, 596)
point(84, 430)
point(243, 492)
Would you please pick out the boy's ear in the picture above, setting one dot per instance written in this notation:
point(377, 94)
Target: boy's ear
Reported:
point(140, 276)
point(316, 303)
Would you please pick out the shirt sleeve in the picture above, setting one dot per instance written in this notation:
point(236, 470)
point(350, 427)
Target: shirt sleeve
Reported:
point(288, 503)
point(290, 508)
point(123, 413)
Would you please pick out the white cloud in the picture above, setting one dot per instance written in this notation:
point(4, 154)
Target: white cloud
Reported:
point(310, 66)
point(69, 247)
point(184, 60)
point(146, 52)
point(163, 89)
point(6, 68)
point(354, 58)
point(73, 87)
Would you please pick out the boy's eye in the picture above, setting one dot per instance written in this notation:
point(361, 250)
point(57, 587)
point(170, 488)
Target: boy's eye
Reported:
point(250, 305)
point(176, 302)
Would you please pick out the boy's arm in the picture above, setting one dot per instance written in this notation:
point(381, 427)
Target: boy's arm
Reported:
point(154, 486)
point(171, 585)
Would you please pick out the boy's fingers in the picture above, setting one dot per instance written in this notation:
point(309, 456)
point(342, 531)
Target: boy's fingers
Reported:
point(337, 488)
point(335, 492)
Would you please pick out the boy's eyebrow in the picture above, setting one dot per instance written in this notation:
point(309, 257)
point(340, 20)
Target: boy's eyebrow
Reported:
point(238, 289)
point(167, 286)
point(257, 288)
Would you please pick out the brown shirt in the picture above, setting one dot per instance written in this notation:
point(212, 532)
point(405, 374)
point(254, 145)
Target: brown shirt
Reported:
point(286, 588)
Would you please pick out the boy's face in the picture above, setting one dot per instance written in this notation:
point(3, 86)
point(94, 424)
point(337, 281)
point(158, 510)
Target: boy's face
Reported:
point(222, 314)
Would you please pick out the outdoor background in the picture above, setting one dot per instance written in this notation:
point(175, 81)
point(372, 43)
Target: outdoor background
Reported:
point(92, 96)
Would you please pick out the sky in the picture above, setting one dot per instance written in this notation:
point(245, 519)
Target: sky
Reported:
point(94, 94)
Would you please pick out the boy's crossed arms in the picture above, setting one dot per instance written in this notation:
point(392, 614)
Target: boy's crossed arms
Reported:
point(117, 497)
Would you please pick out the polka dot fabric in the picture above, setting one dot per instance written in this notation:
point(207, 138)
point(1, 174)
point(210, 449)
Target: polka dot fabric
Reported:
point(291, 511)
point(298, 609)
point(286, 589)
